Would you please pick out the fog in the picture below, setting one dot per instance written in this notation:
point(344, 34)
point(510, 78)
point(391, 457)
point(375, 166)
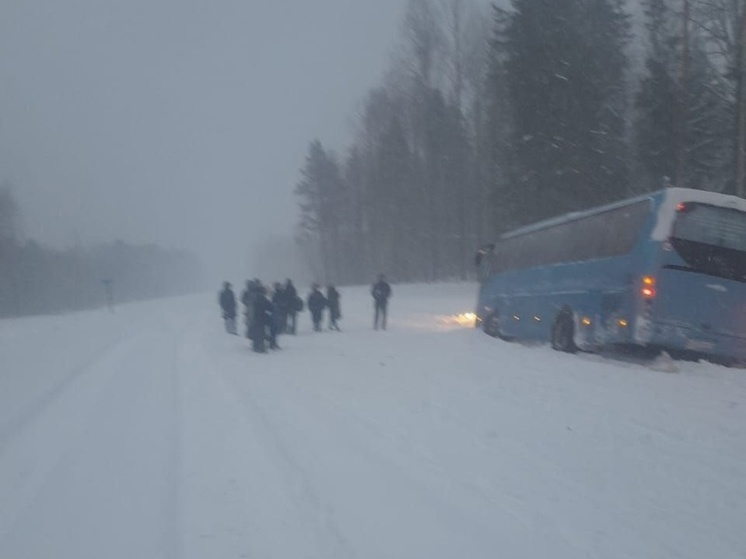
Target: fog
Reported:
point(178, 122)
point(223, 130)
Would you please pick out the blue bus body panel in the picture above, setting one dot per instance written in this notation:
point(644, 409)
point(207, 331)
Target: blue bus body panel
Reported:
point(528, 301)
point(696, 312)
point(690, 311)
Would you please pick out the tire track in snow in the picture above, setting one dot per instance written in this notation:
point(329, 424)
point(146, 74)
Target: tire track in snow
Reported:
point(329, 533)
point(174, 467)
point(113, 489)
point(43, 438)
point(407, 474)
point(31, 412)
point(402, 479)
point(317, 513)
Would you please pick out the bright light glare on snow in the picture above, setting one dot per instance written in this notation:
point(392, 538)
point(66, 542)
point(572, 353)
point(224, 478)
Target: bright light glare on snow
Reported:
point(461, 319)
point(467, 317)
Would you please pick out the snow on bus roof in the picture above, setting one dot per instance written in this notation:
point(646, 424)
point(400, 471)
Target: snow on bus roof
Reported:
point(675, 196)
point(671, 197)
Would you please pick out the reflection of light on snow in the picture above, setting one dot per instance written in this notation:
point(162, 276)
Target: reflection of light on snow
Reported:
point(442, 322)
point(466, 318)
point(462, 319)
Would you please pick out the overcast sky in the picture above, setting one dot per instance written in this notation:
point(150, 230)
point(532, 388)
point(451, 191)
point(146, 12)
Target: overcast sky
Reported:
point(180, 122)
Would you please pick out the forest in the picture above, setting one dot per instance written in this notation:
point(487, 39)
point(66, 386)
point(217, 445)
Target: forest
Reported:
point(492, 118)
point(37, 279)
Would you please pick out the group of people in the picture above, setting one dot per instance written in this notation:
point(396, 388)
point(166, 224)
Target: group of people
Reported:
point(265, 315)
point(269, 315)
point(317, 302)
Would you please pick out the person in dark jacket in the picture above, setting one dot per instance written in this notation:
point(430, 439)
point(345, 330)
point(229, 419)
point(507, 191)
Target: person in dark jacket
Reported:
point(316, 304)
point(294, 306)
point(381, 292)
point(279, 300)
point(247, 299)
point(261, 320)
point(279, 314)
point(332, 298)
point(228, 305)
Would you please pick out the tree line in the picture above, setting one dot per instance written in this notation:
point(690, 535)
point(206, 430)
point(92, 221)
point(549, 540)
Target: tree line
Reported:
point(486, 121)
point(35, 279)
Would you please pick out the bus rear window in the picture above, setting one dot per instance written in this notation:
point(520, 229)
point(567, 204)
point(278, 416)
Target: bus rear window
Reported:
point(711, 239)
point(712, 225)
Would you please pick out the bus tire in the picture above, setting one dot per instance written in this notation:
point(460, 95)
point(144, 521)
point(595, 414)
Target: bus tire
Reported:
point(563, 333)
point(491, 325)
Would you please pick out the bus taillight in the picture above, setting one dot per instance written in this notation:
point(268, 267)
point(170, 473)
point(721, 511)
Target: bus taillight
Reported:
point(648, 287)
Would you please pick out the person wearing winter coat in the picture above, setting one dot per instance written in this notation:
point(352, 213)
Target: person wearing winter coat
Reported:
point(381, 292)
point(279, 315)
point(227, 301)
point(332, 298)
point(316, 304)
point(261, 321)
point(247, 299)
point(294, 306)
point(280, 302)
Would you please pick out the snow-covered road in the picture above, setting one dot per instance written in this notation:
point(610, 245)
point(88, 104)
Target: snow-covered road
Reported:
point(150, 433)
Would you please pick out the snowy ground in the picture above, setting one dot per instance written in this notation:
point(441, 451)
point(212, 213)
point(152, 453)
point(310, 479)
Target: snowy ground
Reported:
point(150, 433)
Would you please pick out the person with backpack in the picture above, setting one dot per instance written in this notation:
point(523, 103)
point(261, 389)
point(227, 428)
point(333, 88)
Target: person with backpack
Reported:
point(316, 304)
point(332, 298)
point(381, 292)
point(227, 301)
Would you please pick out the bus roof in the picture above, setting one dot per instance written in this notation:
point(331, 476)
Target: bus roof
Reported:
point(669, 197)
point(675, 196)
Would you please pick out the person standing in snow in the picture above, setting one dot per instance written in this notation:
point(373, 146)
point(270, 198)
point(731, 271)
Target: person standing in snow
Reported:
point(294, 306)
point(261, 320)
point(316, 304)
point(247, 299)
point(227, 301)
point(279, 300)
point(381, 292)
point(332, 297)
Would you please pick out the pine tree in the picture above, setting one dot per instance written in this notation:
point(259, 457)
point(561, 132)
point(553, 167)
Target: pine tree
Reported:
point(320, 190)
point(565, 77)
point(722, 30)
point(685, 122)
point(9, 289)
point(410, 202)
point(8, 214)
point(709, 125)
point(656, 99)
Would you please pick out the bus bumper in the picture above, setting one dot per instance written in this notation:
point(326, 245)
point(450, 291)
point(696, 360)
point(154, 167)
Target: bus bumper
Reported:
point(687, 341)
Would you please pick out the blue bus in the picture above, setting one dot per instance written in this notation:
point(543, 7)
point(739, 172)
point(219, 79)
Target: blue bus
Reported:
point(665, 271)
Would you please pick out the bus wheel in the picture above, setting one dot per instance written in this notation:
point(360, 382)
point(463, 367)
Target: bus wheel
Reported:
point(491, 325)
point(563, 333)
